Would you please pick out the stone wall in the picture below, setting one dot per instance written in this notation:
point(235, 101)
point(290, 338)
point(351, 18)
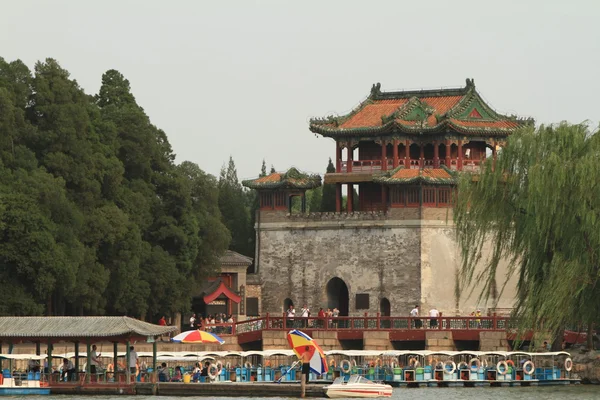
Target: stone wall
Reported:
point(439, 341)
point(379, 257)
point(407, 255)
point(493, 341)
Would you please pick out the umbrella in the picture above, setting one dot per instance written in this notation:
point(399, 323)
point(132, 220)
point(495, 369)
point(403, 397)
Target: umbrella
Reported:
point(198, 336)
point(299, 340)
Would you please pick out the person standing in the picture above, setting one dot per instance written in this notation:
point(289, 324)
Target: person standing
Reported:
point(133, 359)
point(434, 314)
point(95, 360)
point(306, 363)
point(193, 321)
point(305, 313)
point(290, 314)
point(415, 314)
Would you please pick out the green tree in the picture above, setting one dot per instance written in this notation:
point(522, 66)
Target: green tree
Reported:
point(314, 199)
point(328, 196)
point(234, 209)
point(539, 207)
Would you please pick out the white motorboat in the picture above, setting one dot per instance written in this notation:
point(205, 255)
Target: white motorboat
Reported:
point(357, 386)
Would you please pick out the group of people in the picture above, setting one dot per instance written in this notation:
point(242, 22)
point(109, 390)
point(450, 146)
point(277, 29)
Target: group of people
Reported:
point(207, 324)
point(434, 315)
point(328, 315)
point(164, 373)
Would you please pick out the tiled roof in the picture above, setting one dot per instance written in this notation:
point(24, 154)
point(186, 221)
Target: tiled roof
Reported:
point(292, 179)
point(233, 258)
point(417, 112)
point(78, 327)
point(400, 175)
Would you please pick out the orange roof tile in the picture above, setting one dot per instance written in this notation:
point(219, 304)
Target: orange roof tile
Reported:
point(370, 115)
point(436, 173)
point(274, 177)
point(486, 124)
point(406, 173)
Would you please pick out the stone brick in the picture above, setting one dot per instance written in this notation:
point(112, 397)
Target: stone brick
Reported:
point(438, 335)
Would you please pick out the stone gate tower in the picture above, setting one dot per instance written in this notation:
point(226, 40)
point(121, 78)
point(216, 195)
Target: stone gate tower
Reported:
point(396, 248)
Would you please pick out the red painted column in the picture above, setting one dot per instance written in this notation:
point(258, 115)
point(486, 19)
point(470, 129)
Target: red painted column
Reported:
point(350, 198)
point(459, 163)
point(350, 158)
point(395, 153)
point(448, 148)
point(338, 158)
point(422, 156)
point(436, 154)
point(383, 156)
point(407, 154)
point(338, 197)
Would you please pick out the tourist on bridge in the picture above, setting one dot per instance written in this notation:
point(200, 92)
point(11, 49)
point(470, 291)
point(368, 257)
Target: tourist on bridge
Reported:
point(414, 313)
point(434, 314)
point(305, 313)
point(290, 313)
point(321, 316)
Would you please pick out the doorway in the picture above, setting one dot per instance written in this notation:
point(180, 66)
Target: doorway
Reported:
point(337, 296)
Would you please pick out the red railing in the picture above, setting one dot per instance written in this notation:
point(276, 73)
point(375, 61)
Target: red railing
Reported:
point(374, 323)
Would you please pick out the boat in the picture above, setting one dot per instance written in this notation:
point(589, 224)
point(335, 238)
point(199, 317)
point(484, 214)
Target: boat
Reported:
point(21, 384)
point(357, 386)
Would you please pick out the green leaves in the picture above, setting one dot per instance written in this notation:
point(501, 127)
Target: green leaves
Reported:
point(539, 208)
point(93, 210)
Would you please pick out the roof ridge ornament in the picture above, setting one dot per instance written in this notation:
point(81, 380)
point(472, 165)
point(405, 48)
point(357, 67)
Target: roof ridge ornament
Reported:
point(375, 90)
point(470, 83)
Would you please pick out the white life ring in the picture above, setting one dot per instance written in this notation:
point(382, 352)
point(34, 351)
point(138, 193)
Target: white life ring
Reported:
point(502, 363)
point(212, 367)
point(248, 364)
point(345, 366)
point(451, 363)
point(568, 364)
point(526, 364)
point(462, 365)
point(477, 364)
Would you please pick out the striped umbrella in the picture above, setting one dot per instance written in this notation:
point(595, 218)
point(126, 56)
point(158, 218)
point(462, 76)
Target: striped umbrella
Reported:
point(198, 336)
point(299, 342)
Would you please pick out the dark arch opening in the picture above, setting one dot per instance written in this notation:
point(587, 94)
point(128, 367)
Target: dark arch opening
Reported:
point(286, 304)
point(337, 296)
point(384, 311)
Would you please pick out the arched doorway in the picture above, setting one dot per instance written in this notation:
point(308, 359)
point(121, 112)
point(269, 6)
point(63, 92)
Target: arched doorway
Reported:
point(286, 304)
point(384, 311)
point(337, 295)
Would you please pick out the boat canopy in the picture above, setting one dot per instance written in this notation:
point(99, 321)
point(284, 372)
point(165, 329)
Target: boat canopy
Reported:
point(22, 356)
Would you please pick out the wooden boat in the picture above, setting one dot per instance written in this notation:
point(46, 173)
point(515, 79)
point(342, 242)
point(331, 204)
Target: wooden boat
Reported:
point(357, 386)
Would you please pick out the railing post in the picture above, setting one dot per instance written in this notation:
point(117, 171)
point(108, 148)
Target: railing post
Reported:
point(366, 324)
point(267, 322)
point(378, 321)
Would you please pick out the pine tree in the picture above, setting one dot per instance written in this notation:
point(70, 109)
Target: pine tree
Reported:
point(328, 197)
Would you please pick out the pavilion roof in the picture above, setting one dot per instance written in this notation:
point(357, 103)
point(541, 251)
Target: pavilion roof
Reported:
point(78, 327)
point(231, 258)
point(291, 179)
point(433, 176)
point(422, 111)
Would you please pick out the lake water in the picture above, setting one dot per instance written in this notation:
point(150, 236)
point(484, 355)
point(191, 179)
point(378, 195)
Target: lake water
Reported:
point(579, 392)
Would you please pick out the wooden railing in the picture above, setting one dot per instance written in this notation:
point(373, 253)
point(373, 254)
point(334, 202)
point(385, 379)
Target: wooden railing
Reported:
point(374, 323)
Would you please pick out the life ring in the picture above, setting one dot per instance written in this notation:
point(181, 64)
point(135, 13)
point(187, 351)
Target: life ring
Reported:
point(345, 366)
point(212, 367)
point(477, 364)
point(528, 363)
point(267, 363)
point(451, 364)
point(462, 365)
point(568, 364)
point(500, 364)
point(110, 368)
point(248, 365)
point(332, 363)
point(511, 363)
point(485, 363)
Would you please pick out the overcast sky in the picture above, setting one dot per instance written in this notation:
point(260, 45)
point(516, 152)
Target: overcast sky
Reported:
point(243, 78)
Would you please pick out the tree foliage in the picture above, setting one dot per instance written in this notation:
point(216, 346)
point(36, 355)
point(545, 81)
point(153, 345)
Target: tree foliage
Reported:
point(328, 194)
point(540, 210)
point(95, 216)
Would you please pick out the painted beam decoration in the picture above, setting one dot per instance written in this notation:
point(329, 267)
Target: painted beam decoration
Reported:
point(461, 110)
point(432, 176)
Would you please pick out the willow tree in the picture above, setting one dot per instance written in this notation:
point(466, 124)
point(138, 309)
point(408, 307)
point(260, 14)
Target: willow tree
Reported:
point(538, 206)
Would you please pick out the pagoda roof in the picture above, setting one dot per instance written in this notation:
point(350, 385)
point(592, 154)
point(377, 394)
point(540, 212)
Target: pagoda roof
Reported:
point(432, 176)
point(420, 111)
point(291, 179)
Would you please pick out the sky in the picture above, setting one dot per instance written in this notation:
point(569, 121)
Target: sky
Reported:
point(243, 78)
